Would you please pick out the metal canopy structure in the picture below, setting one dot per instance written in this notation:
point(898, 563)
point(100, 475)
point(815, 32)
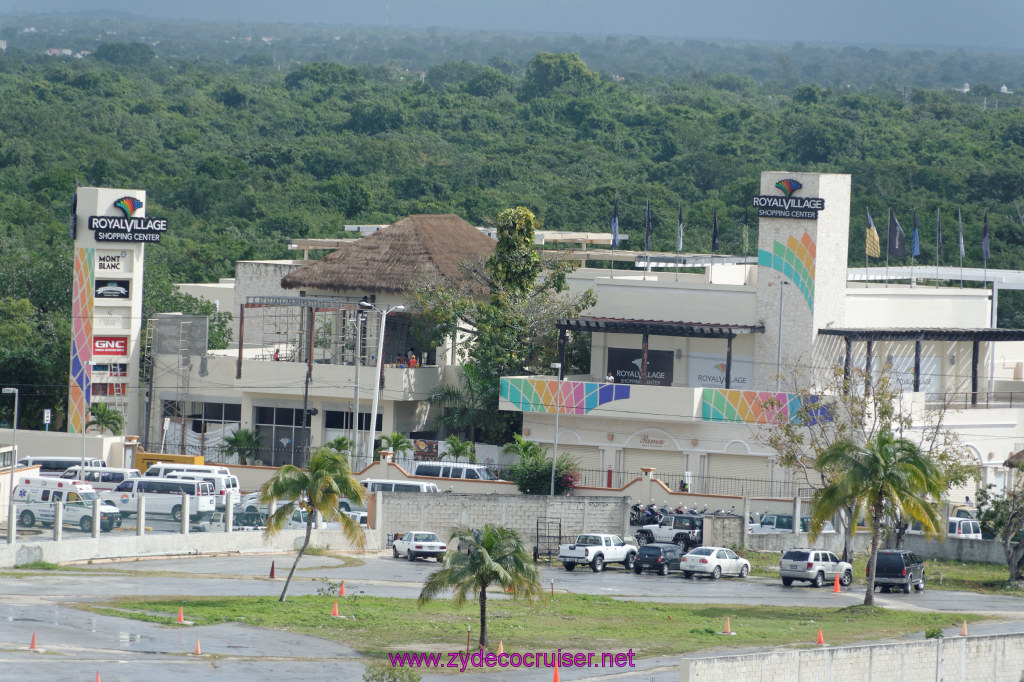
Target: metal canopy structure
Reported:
point(648, 328)
point(919, 336)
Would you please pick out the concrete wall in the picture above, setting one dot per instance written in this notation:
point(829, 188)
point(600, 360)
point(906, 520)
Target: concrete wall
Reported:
point(968, 551)
point(994, 658)
point(79, 547)
point(402, 512)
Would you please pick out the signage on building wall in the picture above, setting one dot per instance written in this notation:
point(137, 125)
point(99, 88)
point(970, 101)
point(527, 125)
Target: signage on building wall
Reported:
point(651, 441)
point(901, 372)
point(112, 288)
point(127, 227)
point(708, 371)
point(786, 205)
point(110, 345)
point(625, 365)
point(111, 262)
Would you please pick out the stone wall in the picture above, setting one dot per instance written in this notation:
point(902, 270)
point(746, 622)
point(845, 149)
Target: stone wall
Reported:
point(402, 512)
point(994, 658)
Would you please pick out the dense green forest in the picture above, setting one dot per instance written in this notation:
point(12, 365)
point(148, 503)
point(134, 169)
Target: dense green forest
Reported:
point(244, 143)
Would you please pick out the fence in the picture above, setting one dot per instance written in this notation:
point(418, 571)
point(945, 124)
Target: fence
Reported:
point(699, 485)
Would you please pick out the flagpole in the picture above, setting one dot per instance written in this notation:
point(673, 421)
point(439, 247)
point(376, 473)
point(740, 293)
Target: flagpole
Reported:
point(679, 239)
point(615, 238)
point(938, 245)
point(960, 223)
point(888, 247)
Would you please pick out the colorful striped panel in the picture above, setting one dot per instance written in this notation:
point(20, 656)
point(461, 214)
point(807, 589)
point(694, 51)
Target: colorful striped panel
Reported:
point(83, 286)
point(794, 259)
point(754, 407)
point(578, 397)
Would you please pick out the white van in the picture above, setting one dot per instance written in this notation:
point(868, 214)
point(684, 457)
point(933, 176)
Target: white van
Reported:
point(161, 469)
point(101, 478)
point(376, 485)
point(225, 486)
point(37, 496)
point(964, 529)
point(163, 496)
point(472, 472)
point(55, 466)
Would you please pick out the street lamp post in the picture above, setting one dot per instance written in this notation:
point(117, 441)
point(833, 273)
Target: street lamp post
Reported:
point(380, 367)
point(778, 357)
point(11, 523)
point(558, 408)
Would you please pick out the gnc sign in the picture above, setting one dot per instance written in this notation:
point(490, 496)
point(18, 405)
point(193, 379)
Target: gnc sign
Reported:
point(110, 345)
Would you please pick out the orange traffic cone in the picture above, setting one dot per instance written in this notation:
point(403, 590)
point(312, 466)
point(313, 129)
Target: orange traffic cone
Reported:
point(501, 649)
point(508, 590)
point(197, 652)
point(835, 589)
point(728, 631)
point(271, 570)
point(33, 646)
point(556, 678)
point(97, 676)
point(821, 640)
point(963, 629)
point(334, 611)
point(181, 616)
point(341, 590)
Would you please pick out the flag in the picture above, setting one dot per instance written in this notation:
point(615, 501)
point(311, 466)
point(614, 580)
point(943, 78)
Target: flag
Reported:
point(897, 237)
point(679, 232)
point(938, 234)
point(985, 253)
point(871, 246)
point(960, 222)
point(714, 231)
point(915, 249)
point(615, 224)
point(649, 226)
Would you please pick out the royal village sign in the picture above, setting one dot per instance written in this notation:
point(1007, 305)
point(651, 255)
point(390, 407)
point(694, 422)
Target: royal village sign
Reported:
point(129, 227)
point(787, 205)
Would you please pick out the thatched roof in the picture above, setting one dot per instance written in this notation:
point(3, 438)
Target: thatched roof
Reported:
point(1016, 460)
point(416, 247)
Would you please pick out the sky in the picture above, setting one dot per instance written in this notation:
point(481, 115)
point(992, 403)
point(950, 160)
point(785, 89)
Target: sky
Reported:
point(996, 24)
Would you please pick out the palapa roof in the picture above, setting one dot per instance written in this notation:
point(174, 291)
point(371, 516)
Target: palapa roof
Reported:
point(416, 247)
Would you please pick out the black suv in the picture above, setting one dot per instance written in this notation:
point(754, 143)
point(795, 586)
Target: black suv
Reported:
point(660, 557)
point(899, 568)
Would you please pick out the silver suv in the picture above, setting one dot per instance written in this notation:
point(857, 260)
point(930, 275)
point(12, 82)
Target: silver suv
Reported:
point(815, 566)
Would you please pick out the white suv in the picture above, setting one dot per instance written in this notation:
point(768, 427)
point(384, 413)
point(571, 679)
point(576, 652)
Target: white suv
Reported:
point(815, 566)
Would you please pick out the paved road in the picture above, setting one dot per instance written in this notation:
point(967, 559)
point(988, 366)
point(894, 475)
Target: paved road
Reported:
point(76, 644)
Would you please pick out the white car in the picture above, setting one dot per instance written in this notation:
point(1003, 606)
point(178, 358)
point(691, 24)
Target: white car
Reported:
point(418, 543)
point(714, 562)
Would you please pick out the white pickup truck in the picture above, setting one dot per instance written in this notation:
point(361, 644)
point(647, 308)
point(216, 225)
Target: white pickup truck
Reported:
point(597, 549)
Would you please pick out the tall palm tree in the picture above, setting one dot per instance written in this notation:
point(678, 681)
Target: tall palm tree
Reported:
point(492, 556)
point(107, 418)
point(244, 443)
point(319, 489)
point(458, 448)
point(885, 476)
point(471, 406)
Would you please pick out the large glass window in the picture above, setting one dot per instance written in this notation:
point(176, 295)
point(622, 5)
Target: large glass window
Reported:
point(284, 438)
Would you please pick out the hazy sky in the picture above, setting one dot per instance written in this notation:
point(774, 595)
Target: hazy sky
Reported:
point(939, 23)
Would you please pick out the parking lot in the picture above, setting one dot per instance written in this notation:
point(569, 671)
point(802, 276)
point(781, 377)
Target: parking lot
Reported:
point(77, 644)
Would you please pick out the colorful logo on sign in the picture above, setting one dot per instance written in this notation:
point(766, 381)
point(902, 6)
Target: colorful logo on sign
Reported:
point(128, 205)
point(788, 186)
point(795, 260)
point(110, 345)
point(567, 397)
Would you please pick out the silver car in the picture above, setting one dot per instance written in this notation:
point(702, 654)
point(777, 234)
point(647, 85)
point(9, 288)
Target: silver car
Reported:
point(816, 566)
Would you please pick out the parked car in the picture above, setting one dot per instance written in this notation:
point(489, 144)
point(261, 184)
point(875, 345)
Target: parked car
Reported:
point(684, 530)
point(714, 562)
point(783, 523)
point(898, 568)
point(418, 543)
point(815, 566)
point(660, 557)
point(964, 529)
point(597, 550)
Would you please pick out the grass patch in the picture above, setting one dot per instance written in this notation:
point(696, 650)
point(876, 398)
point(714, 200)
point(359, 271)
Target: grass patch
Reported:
point(377, 625)
point(941, 575)
point(39, 566)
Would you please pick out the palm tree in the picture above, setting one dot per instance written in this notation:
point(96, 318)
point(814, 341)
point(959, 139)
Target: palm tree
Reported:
point(244, 443)
point(492, 556)
point(107, 418)
point(396, 443)
point(458, 448)
point(319, 489)
point(886, 476)
point(470, 406)
point(341, 444)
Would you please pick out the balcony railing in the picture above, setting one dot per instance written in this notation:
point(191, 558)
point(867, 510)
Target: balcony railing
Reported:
point(700, 485)
point(968, 400)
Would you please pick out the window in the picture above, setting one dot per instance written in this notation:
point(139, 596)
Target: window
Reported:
point(721, 554)
point(335, 419)
point(284, 437)
point(471, 473)
point(125, 487)
point(428, 470)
